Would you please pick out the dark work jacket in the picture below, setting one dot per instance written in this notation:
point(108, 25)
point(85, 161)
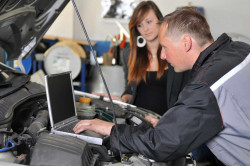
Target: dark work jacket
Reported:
point(195, 118)
point(175, 82)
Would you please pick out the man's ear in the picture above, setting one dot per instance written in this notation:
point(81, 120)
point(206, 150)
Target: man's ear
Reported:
point(187, 42)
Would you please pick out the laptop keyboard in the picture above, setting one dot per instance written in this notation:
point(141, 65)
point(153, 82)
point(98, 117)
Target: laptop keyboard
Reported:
point(69, 128)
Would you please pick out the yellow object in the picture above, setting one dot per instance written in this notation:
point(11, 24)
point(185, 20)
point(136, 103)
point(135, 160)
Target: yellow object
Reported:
point(84, 100)
point(68, 39)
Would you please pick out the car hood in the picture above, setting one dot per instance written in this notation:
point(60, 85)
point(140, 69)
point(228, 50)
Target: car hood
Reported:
point(23, 23)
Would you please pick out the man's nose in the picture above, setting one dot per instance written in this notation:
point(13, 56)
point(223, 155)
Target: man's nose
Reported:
point(163, 54)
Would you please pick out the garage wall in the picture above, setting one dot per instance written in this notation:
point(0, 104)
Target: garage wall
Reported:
point(230, 16)
point(64, 24)
point(222, 15)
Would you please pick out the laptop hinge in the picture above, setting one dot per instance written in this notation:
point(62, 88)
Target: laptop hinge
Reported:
point(65, 122)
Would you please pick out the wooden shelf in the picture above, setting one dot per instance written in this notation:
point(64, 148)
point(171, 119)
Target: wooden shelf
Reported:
point(68, 39)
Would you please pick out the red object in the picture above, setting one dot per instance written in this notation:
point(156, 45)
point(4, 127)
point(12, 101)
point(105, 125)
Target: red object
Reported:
point(123, 42)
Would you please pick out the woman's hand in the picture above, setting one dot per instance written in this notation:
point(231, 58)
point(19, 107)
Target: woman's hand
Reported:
point(96, 125)
point(126, 98)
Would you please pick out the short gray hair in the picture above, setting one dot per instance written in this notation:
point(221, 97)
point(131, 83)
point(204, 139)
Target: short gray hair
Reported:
point(187, 20)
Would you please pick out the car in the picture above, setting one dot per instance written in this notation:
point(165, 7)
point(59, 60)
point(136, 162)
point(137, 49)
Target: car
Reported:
point(25, 132)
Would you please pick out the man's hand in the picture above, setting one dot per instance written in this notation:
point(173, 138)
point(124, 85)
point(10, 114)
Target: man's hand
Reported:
point(152, 120)
point(96, 125)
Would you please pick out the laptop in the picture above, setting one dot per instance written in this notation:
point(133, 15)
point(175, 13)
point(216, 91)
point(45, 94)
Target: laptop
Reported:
point(62, 110)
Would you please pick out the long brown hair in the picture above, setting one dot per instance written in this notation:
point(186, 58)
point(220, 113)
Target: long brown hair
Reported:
point(138, 62)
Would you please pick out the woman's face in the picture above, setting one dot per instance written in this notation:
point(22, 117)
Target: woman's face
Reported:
point(149, 26)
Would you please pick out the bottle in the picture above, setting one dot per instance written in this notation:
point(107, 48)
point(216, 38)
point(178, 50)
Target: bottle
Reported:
point(84, 109)
point(84, 102)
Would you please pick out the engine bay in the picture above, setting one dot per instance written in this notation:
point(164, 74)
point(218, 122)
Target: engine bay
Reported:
point(28, 140)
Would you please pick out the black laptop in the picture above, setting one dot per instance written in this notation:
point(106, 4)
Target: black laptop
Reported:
point(62, 110)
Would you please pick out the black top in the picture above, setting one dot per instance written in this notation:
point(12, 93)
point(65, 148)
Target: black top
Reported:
point(174, 85)
point(151, 94)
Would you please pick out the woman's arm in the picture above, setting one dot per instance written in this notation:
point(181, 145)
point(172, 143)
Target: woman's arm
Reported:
point(125, 57)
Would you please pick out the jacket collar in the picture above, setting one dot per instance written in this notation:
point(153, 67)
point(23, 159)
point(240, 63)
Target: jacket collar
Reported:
point(224, 38)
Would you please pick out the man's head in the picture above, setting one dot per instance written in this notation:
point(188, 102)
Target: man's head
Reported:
point(183, 35)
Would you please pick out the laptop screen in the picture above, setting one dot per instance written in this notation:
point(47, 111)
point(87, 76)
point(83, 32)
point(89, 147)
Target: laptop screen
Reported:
point(60, 91)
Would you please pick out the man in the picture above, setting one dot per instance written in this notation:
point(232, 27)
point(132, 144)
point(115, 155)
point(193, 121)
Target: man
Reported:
point(213, 107)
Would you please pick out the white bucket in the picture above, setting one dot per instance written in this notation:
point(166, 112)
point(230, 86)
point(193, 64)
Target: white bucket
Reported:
point(64, 56)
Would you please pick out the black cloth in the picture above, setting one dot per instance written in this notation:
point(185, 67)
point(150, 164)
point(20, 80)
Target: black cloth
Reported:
point(195, 118)
point(151, 94)
point(175, 82)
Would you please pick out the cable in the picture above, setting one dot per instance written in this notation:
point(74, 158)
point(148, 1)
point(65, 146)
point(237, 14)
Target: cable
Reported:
point(104, 112)
point(7, 132)
point(100, 71)
point(104, 117)
point(7, 146)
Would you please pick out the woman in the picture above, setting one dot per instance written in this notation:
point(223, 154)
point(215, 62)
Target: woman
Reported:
point(151, 82)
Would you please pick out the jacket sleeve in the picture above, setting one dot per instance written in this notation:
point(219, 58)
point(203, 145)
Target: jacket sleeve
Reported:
point(193, 120)
point(128, 87)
